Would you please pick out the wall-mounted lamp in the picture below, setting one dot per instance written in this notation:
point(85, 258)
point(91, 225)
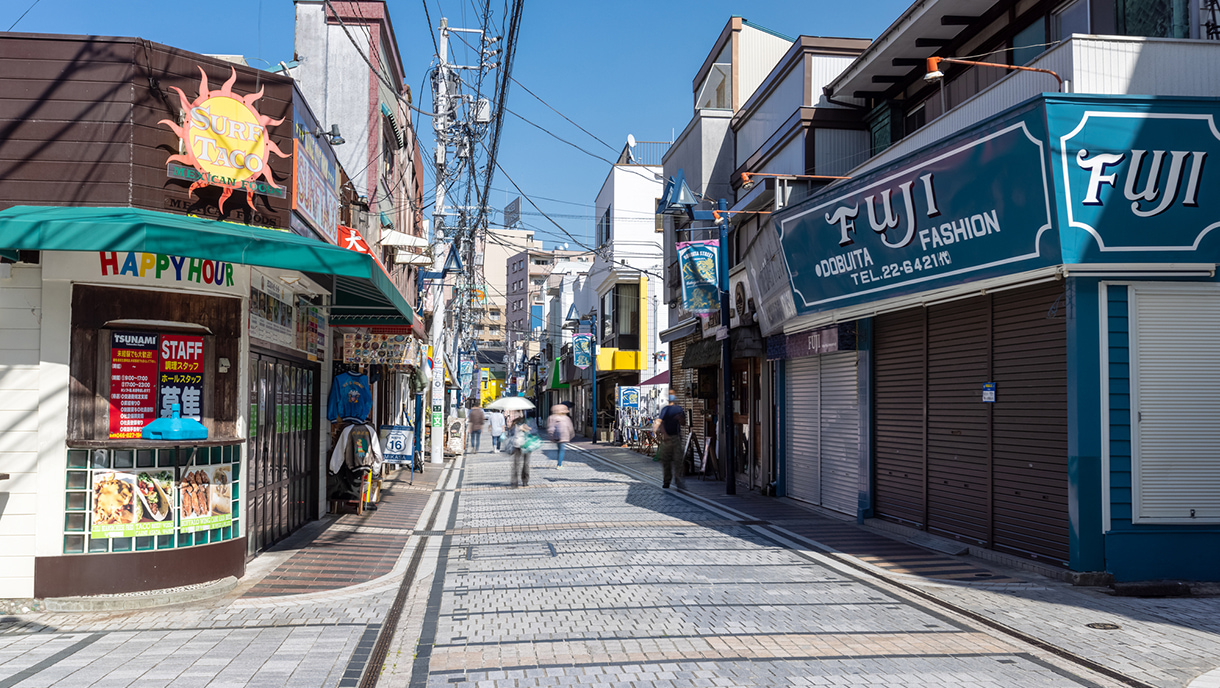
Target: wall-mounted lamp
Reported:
point(332, 136)
point(934, 73)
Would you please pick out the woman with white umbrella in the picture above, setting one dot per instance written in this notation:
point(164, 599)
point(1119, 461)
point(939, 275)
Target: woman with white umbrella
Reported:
point(522, 438)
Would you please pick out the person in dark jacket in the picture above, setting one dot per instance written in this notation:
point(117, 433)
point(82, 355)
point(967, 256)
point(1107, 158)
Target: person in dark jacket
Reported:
point(669, 432)
point(474, 426)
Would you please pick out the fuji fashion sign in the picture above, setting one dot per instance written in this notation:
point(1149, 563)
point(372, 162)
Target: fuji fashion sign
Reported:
point(225, 142)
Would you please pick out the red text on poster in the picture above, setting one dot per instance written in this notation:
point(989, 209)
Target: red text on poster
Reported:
point(133, 388)
point(181, 375)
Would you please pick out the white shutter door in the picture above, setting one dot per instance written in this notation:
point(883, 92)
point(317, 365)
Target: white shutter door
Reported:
point(840, 432)
point(802, 416)
point(1176, 406)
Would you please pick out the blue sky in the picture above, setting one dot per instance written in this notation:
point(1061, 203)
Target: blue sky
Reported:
point(616, 68)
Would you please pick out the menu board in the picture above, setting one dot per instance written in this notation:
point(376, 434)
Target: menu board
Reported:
point(132, 504)
point(379, 349)
point(271, 315)
point(180, 380)
point(206, 492)
point(133, 389)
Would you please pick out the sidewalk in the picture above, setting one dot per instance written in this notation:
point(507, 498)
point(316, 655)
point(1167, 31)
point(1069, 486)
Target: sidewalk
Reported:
point(347, 549)
point(1164, 642)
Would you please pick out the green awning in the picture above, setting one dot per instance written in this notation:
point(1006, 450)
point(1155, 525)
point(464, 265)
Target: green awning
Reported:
point(363, 292)
point(556, 383)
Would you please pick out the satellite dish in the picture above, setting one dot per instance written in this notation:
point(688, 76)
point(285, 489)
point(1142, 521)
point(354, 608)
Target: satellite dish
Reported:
point(630, 141)
point(565, 246)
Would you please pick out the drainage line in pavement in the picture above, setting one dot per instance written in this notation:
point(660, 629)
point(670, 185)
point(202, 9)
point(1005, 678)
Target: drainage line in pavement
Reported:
point(432, 611)
point(846, 559)
point(1068, 655)
point(372, 670)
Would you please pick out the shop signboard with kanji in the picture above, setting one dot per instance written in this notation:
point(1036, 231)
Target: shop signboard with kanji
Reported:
point(133, 383)
point(181, 375)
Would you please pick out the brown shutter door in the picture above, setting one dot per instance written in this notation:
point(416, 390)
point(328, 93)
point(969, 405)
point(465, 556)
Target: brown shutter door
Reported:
point(899, 372)
point(959, 474)
point(1030, 423)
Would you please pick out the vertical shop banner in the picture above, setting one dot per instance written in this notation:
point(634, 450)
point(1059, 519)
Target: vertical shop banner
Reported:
point(629, 397)
point(582, 350)
point(133, 390)
point(181, 375)
point(699, 261)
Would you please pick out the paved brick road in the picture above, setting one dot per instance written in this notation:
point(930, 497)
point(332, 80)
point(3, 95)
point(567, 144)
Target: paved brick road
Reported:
point(595, 576)
point(589, 576)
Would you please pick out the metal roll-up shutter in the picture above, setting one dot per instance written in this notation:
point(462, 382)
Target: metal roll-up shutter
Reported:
point(840, 432)
point(1176, 371)
point(899, 371)
point(801, 433)
point(1029, 423)
point(959, 471)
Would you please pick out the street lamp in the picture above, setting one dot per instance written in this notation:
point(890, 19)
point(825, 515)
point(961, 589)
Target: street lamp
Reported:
point(934, 73)
point(678, 200)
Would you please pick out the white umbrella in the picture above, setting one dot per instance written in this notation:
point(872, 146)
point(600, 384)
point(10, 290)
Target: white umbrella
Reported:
point(510, 404)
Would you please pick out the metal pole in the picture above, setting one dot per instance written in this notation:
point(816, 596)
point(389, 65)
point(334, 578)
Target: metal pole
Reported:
point(441, 124)
point(726, 357)
point(593, 351)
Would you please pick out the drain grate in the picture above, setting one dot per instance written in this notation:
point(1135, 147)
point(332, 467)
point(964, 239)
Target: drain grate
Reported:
point(519, 550)
point(1100, 626)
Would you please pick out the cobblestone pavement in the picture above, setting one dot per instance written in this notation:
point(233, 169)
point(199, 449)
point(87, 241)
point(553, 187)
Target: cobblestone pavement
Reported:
point(589, 576)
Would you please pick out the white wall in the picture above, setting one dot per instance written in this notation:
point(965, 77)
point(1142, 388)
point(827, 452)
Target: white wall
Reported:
point(771, 113)
point(757, 54)
point(20, 315)
point(335, 80)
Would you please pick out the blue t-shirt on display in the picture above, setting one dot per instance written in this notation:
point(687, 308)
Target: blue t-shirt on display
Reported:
point(350, 397)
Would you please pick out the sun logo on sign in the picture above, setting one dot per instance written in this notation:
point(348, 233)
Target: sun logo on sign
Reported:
point(225, 139)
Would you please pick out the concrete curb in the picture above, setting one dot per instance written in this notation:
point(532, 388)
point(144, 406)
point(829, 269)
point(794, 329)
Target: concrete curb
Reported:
point(141, 600)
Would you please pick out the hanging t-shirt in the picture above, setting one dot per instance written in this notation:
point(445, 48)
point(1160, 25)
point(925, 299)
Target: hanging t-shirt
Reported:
point(350, 397)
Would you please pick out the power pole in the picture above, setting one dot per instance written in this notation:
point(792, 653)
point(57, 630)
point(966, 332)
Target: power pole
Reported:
point(460, 120)
point(440, 123)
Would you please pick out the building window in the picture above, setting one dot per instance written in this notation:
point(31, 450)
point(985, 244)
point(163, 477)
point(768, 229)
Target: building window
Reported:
point(603, 227)
point(1029, 42)
point(621, 317)
point(1069, 19)
point(1154, 18)
point(717, 90)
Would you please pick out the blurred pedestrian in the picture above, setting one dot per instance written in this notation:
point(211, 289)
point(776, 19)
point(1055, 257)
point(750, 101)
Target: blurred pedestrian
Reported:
point(523, 441)
point(559, 425)
point(474, 426)
point(495, 425)
point(669, 431)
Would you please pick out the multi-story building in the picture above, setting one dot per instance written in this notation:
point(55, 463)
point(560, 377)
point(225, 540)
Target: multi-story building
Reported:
point(526, 293)
point(492, 308)
point(739, 61)
point(625, 280)
point(370, 110)
point(1023, 269)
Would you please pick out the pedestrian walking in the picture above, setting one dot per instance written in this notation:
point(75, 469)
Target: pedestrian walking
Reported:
point(669, 430)
point(474, 426)
point(523, 442)
point(559, 426)
point(495, 425)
